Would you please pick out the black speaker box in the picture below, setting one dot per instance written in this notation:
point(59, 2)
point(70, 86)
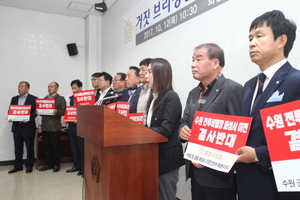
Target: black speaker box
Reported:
point(72, 48)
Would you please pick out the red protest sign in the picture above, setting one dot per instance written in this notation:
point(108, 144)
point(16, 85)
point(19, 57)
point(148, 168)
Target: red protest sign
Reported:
point(70, 114)
point(137, 117)
point(19, 112)
point(123, 107)
point(282, 129)
point(84, 97)
point(45, 106)
point(223, 132)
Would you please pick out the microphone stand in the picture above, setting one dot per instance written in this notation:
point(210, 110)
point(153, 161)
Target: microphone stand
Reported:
point(99, 102)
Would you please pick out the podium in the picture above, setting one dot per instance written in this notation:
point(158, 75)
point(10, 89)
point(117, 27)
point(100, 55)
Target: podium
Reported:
point(120, 155)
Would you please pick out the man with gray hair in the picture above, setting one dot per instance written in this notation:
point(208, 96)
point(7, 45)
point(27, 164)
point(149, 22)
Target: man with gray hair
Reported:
point(214, 94)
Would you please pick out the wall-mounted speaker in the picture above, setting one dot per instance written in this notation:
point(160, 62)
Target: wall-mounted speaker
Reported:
point(72, 48)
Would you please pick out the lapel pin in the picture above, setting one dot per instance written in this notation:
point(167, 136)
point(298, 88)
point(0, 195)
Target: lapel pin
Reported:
point(277, 82)
point(217, 90)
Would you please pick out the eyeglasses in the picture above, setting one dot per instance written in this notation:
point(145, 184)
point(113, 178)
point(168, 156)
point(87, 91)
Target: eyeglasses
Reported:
point(100, 80)
point(94, 79)
point(116, 80)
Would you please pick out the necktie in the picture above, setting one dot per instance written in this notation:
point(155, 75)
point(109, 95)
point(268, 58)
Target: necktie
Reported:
point(261, 80)
point(130, 92)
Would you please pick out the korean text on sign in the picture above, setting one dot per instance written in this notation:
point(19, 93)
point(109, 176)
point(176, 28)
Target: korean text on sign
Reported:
point(45, 106)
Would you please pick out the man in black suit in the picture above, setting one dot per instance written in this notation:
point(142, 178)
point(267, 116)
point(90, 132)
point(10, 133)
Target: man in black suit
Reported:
point(271, 38)
point(94, 80)
point(104, 83)
point(24, 131)
point(77, 142)
point(132, 78)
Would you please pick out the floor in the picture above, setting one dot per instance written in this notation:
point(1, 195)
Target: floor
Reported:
point(41, 185)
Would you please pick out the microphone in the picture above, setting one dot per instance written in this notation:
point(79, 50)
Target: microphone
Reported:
point(125, 89)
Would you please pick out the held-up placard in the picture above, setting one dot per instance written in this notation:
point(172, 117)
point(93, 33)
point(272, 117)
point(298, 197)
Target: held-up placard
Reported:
point(123, 107)
point(282, 130)
point(84, 97)
point(215, 139)
point(70, 114)
point(137, 117)
point(45, 106)
point(19, 112)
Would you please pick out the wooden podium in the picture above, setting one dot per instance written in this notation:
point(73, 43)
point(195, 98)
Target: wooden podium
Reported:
point(120, 155)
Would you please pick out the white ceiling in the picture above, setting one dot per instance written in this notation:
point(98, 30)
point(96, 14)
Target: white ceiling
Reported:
point(73, 8)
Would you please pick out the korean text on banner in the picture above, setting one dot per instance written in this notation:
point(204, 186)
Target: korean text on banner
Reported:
point(282, 129)
point(19, 112)
point(84, 97)
point(70, 114)
point(215, 139)
point(45, 106)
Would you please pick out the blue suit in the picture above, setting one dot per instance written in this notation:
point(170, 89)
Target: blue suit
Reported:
point(256, 181)
point(133, 101)
point(24, 132)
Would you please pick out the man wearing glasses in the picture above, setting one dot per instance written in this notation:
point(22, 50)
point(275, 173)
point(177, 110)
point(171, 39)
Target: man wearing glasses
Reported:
point(104, 83)
point(94, 81)
point(119, 81)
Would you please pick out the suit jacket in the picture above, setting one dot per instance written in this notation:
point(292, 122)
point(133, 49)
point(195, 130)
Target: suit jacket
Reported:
point(53, 123)
point(108, 101)
point(165, 121)
point(30, 125)
point(287, 81)
point(134, 100)
point(224, 98)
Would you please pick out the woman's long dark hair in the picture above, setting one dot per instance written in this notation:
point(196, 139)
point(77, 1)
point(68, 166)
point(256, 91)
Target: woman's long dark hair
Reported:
point(162, 81)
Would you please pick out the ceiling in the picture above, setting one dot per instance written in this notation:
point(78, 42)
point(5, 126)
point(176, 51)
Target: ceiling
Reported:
point(72, 8)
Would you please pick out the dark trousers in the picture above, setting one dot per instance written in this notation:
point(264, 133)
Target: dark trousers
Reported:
point(51, 147)
point(208, 193)
point(21, 136)
point(77, 145)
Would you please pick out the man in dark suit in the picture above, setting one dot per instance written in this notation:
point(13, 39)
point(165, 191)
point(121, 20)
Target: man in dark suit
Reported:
point(77, 142)
point(132, 96)
point(271, 39)
point(94, 80)
point(104, 83)
point(214, 94)
point(24, 131)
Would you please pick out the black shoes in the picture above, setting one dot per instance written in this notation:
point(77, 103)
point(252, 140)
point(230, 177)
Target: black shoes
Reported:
point(28, 170)
point(45, 168)
point(15, 170)
point(73, 169)
point(56, 168)
point(80, 173)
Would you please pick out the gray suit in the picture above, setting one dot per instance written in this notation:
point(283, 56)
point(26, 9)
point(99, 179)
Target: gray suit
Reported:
point(224, 98)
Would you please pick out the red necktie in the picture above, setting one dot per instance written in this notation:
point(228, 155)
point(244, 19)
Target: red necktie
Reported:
point(261, 78)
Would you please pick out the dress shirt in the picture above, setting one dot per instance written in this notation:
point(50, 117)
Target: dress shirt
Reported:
point(102, 94)
point(269, 72)
point(150, 112)
point(22, 99)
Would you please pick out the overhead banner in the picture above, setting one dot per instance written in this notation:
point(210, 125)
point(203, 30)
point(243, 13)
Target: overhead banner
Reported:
point(148, 19)
point(215, 139)
point(282, 130)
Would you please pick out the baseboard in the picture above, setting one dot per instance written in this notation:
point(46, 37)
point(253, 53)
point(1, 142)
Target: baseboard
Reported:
point(9, 162)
